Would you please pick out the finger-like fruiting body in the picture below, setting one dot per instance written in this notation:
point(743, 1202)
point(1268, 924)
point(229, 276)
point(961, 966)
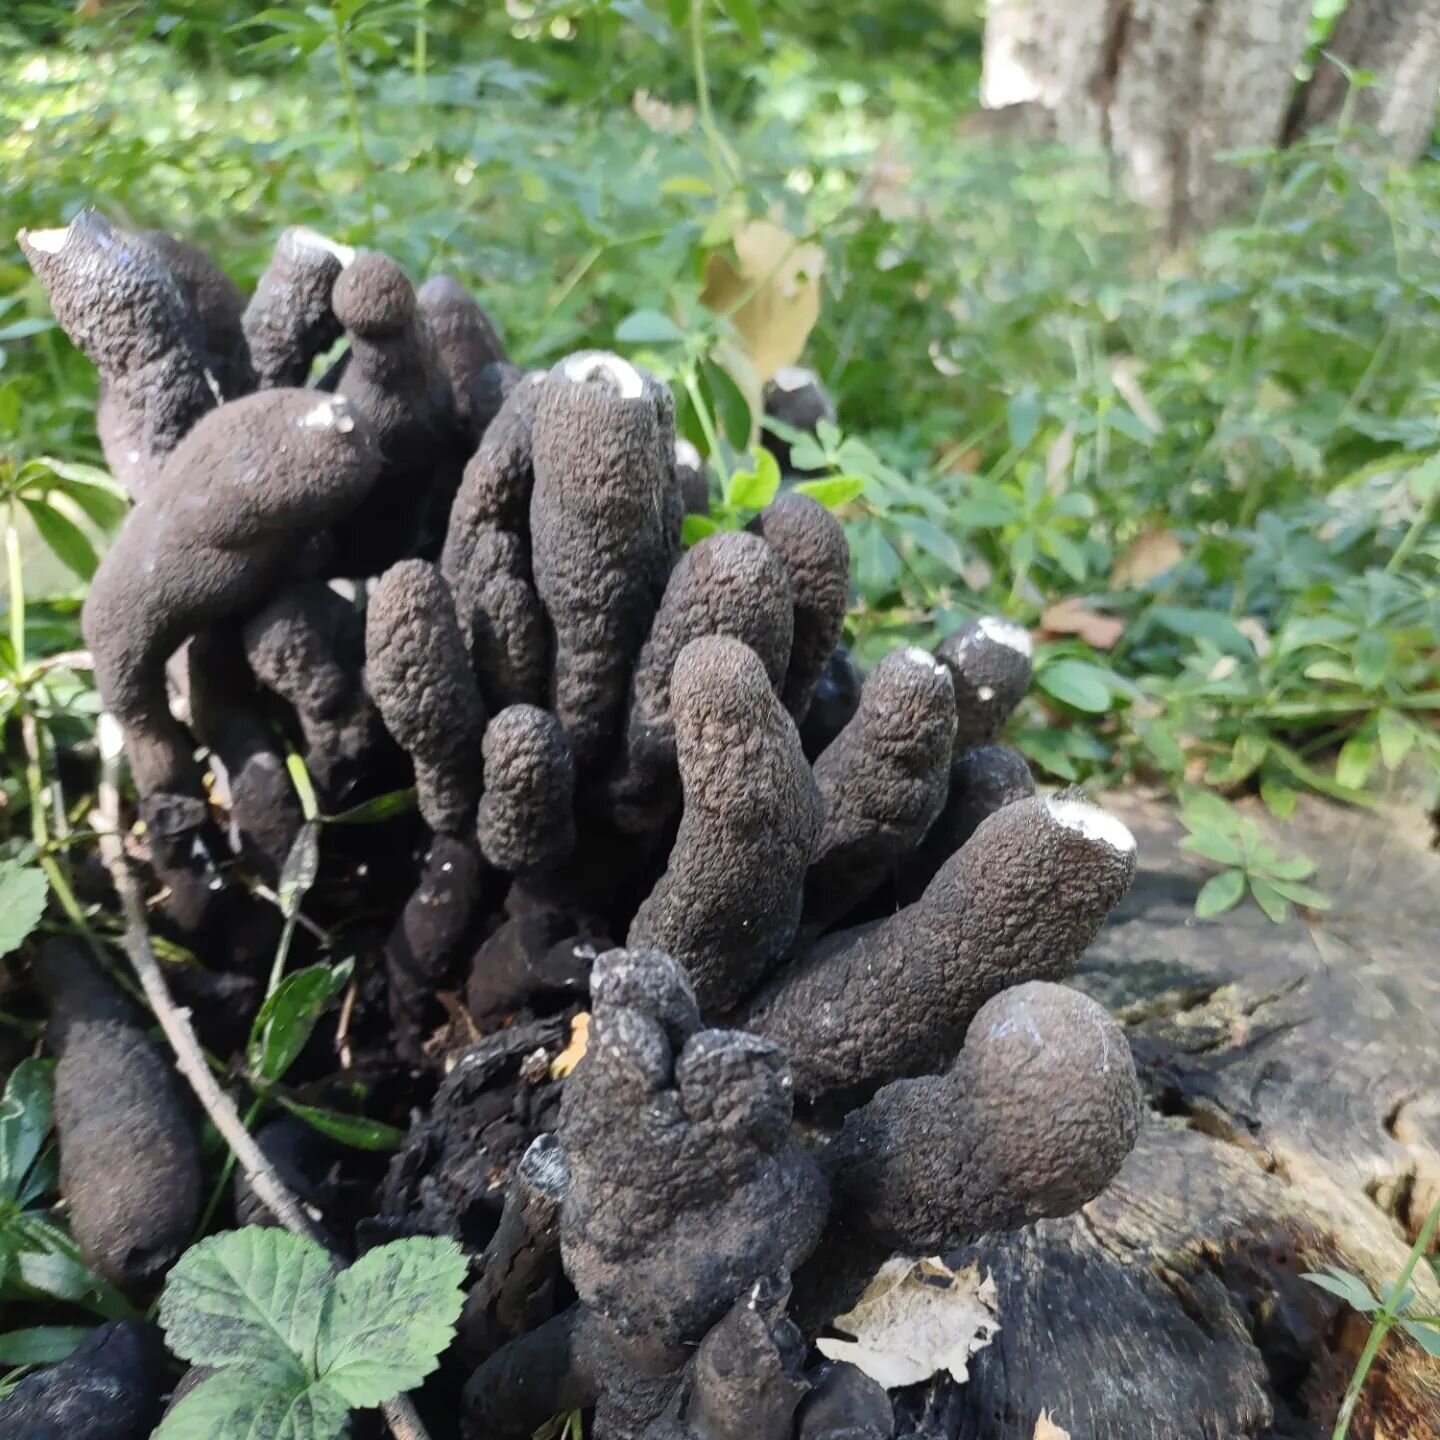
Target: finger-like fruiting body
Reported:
point(600, 531)
point(989, 661)
point(1032, 1121)
point(686, 1187)
point(288, 321)
point(728, 904)
point(728, 584)
point(983, 779)
point(1020, 902)
point(489, 391)
point(795, 397)
point(882, 782)
point(808, 538)
point(527, 811)
point(692, 479)
point(109, 1388)
point(395, 377)
point(418, 674)
point(466, 339)
point(129, 1164)
point(217, 302)
point(218, 529)
point(308, 646)
point(125, 310)
point(496, 487)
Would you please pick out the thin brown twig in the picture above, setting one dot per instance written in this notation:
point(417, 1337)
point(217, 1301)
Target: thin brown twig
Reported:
point(400, 1414)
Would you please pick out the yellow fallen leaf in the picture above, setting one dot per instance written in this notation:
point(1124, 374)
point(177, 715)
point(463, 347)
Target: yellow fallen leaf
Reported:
point(773, 285)
point(573, 1052)
point(1153, 551)
point(1047, 1429)
point(915, 1319)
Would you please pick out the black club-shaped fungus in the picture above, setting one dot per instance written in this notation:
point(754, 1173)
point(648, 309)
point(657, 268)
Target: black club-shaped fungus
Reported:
point(808, 538)
point(833, 706)
point(129, 1162)
point(600, 530)
point(989, 661)
point(467, 341)
point(685, 1185)
point(121, 305)
point(418, 673)
point(728, 904)
point(1021, 901)
point(882, 782)
point(288, 321)
point(693, 481)
point(109, 1388)
point(795, 397)
point(727, 584)
point(395, 377)
point(222, 523)
point(527, 811)
point(1031, 1121)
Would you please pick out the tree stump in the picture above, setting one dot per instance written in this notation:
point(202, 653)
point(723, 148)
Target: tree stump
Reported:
point(1293, 1076)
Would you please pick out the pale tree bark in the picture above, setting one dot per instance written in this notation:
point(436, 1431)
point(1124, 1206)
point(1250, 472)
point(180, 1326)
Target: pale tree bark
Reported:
point(1169, 86)
point(1398, 41)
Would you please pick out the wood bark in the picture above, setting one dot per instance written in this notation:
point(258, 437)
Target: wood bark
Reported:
point(1293, 1077)
point(1169, 87)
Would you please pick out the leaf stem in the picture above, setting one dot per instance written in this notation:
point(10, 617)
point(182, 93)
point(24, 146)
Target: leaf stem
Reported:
point(352, 108)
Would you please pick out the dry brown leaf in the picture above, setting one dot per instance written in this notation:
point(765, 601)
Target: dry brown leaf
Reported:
point(573, 1052)
point(1047, 1429)
point(775, 292)
point(1153, 551)
point(915, 1319)
point(1072, 617)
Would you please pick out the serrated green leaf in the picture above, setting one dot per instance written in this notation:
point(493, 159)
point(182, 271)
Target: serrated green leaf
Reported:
point(695, 528)
point(835, 492)
point(1220, 893)
point(648, 327)
point(1279, 799)
point(1397, 737)
point(1205, 810)
point(1355, 763)
point(1213, 846)
point(248, 1297)
point(288, 1018)
point(47, 1262)
point(1076, 683)
point(1274, 904)
point(40, 1345)
point(24, 1122)
point(237, 1404)
point(23, 892)
point(389, 1318)
point(754, 489)
point(354, 1130)
point(1350, 1288)
point(1305, 895)
point(1426, 1336)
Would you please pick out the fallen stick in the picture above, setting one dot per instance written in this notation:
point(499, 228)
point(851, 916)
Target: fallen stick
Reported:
point(400, 1414)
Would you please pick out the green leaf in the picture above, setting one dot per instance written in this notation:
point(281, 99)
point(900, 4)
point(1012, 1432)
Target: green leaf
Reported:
point(48, 1263)
point(390, 1316)
point(24, 1122)
point(727, 399)
point(1220, 893)
point(1350, 1288)
point(69, 542)
point(249, 1297)
point(1078, 684)
point(304, 785)
point(835, 492)
point(1424, 1335)
point(382, 807)
point(754, 489)
point(933, 540)
point(1305, 895)
point(1373, 652)
point(1274, 904)
point(1069, 554)
point(1023, 415)
point(287, 1019)
point(1355, 762)
point(1205, 810)
point(1279, 799)
point(353, 1130)
point(696, 527)
point(41, 1345)
point(1213, 846)
point(648, 327)
point(1218, 629)
point(1397, 737)
point(23, 892)
point(239, 1404)
point(301, 867)
point(746, 18)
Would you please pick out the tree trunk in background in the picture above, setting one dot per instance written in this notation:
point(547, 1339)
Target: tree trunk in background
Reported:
point(1168, 86)
point(1399, 42)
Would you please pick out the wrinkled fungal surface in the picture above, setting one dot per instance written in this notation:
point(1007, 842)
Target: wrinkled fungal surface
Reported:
point(527, 813)
point(289, 322)
point(989, 661)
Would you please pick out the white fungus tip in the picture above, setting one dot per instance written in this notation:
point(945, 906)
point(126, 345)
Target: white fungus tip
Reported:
point(329, 415)
point(1007, 633)
point(793, 377)
point(46, 242)
point(309, 239)
point(916, 656)
point(582, 368)
point(686, 454)
point(1092, 822)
